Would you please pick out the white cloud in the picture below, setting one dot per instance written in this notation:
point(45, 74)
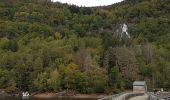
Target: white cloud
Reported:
point(89, 3)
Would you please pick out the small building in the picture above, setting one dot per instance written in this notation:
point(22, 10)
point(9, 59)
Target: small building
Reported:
point(139, 87)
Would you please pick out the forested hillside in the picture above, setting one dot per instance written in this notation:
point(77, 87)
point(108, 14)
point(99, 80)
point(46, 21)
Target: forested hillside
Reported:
point(47, 46)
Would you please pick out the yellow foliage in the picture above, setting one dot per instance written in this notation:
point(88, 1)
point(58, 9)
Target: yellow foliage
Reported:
point(57, 36)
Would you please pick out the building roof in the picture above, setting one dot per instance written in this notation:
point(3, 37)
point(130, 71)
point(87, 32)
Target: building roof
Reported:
point(139, 83)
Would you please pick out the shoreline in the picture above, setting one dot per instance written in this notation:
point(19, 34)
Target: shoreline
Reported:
point(78, 95)
point(62, 94)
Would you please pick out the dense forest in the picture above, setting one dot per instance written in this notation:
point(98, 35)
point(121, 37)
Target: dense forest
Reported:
point(49, 46)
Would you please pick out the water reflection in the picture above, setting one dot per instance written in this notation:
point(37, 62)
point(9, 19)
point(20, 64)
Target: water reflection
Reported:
point(12, 98)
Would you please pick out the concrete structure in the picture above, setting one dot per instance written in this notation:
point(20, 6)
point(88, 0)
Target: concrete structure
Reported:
point(139, 87)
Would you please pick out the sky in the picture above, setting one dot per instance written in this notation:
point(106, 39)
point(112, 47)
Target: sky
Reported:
point(89, 3)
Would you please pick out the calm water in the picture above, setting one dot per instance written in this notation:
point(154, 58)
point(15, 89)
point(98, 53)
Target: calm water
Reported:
point(12, 98)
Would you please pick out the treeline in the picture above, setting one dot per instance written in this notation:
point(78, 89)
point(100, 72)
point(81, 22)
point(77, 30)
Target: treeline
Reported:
point(47, 46)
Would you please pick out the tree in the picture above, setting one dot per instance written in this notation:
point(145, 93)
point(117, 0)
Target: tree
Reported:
point(148, 52)
point(68, 74)
point(7, 81)
point(81, 82)
point(83, 59)
point(98, 80)
point(57, 36)
point(13, 45)
point(113, 76)
point(54, 81)
point(41, 82)
point(21, 16)
point(3, 78)
point(125, 61)
point(4, 43)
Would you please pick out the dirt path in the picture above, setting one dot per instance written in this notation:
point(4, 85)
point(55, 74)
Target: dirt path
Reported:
point(144, 97)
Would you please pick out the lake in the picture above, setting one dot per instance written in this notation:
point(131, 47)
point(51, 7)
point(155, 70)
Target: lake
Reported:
point(12, 98)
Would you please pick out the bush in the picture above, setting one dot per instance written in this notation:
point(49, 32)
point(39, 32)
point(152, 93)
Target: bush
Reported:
point(12, 88)
point(81, 82)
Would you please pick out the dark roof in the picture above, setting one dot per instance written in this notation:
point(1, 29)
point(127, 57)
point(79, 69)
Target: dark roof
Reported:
point(139, 83)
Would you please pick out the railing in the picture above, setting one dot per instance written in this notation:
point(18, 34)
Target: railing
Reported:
point(130, 95)
point(127, 95)
point(121, 96)
point(153, 96)
point(113, 97)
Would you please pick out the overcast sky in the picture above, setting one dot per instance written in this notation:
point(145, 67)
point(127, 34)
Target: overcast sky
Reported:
point(89, 3)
